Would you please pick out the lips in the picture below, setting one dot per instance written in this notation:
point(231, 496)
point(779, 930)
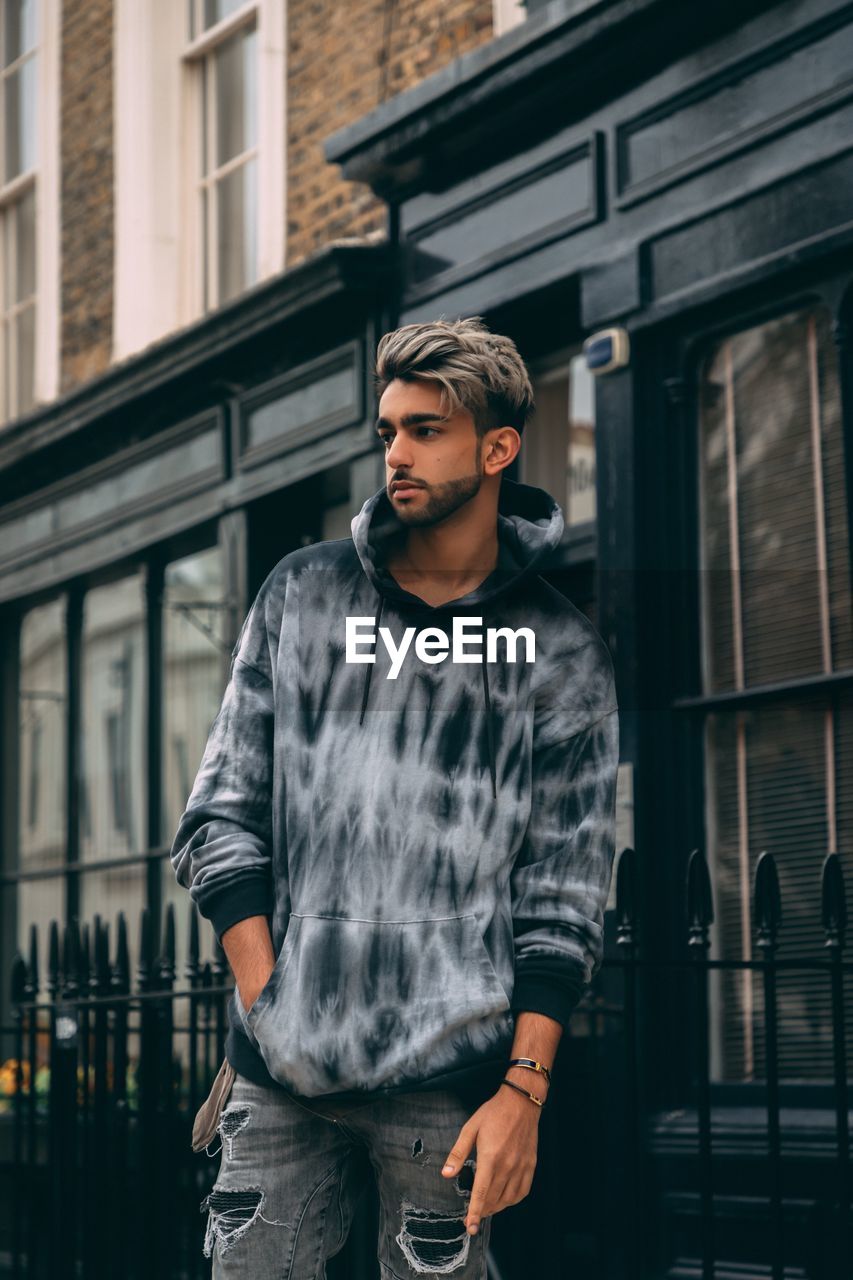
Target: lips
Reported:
point(403, 488)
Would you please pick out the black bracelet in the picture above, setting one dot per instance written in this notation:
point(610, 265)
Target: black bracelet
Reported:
point(533, 1065)
point(540, 1102)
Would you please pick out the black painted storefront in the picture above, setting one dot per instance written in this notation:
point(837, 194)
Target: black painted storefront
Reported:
point(684, 172)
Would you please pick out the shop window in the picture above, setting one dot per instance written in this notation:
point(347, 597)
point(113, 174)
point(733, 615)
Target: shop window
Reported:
point(196, 659)
point(558, 445)
point(112, 747)
point(42, 702)
point(38, 895)
point(195, 670)
point(775, 601)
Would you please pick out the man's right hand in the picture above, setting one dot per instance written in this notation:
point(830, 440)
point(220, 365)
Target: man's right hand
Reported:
point(248, 946)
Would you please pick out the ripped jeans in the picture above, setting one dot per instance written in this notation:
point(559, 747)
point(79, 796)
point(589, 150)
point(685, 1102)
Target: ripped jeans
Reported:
point(290, 1178)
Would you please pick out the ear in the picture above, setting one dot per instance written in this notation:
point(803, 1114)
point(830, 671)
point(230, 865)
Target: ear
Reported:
point(500, 447)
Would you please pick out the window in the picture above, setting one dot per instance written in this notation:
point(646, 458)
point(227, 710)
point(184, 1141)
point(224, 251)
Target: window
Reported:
point(109, 628)
point(196, 657)
point(775, 576)
point(18, 68)
point(112, 720)
point(196, 661)
point(224, 53)
point(200, 149)
point(29, 204)
point(558, 446)
point(507, 14)
point(39, 895)
point(42, 702)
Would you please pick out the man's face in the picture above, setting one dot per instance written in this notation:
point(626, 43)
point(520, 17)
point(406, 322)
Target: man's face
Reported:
point(433, 463)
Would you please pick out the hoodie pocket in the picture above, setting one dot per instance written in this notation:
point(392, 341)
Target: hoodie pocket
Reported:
point(358, 1004)
point(249, 1016)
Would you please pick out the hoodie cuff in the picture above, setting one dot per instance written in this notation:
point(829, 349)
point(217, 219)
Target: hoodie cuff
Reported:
point(251, 895)
point(552, 992)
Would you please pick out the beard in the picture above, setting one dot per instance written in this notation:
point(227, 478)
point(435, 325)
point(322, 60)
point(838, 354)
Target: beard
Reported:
point(443, 499)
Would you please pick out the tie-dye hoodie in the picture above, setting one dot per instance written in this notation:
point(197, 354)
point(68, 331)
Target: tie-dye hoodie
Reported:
point(435, 850)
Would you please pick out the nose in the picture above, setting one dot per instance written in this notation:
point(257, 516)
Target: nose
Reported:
point(399, 453)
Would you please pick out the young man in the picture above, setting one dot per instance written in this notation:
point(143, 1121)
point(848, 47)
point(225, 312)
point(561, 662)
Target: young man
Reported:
point(412, 777)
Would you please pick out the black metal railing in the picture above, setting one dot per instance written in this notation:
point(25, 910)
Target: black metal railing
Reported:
point(105, 1076)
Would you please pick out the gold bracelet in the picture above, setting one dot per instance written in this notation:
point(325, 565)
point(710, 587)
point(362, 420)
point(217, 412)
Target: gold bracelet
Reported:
point(533, 1065)
point(540, 1102)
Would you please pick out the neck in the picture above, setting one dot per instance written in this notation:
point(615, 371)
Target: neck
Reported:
point(427, 554)
point(454, 556)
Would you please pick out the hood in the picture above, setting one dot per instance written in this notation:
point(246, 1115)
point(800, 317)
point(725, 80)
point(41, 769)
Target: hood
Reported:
point(530, 525)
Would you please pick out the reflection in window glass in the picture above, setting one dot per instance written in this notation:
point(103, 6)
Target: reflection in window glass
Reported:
point(17, 86)
point(228, 173)
point(196, 657)
point(580, 499)
point(17, 220)
point(774, 506)
point(113, 778)
point(42, 702)
point(17, 30)
point(203, 14)
point(558, 450)
point(195, 666)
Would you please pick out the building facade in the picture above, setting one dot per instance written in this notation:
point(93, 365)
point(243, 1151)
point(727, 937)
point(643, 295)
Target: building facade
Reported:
point(212, 216)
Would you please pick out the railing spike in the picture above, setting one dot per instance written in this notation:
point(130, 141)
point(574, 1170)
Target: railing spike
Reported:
point(53, 959)
point(85, 974)
point(33, 977)
point(194, 950)
point(144, 968)
point(167, 955)
point(699, 900)
point(833, 901)
point(18, 979)
point(767, 901)
point(122, 965)
point(626, 898)
point(102, 957)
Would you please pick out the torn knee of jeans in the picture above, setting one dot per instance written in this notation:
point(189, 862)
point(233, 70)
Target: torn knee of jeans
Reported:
point(230, 1213)
point(432, 1243)
point(233, 1119)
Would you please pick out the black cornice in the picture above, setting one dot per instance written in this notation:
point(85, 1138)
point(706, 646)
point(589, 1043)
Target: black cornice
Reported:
point(559, 65)
point(201, 349)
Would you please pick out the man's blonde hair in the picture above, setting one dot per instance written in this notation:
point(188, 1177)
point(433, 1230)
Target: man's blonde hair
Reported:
point(476, 369)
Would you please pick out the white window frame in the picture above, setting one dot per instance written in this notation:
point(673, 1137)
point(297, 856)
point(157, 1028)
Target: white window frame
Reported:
point(43, 178)
point(269, 19)
point(507, 14)
point(158, 266)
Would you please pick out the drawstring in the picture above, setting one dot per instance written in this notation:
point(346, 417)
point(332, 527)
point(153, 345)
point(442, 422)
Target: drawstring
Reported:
point(490, 733)
point(489, 727)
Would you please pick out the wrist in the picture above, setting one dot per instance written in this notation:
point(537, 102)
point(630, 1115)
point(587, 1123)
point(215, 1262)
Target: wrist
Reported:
point(533, 1081)
point(529, 1100)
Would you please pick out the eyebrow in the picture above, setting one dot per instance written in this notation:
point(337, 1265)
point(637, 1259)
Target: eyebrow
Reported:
point(410, 420)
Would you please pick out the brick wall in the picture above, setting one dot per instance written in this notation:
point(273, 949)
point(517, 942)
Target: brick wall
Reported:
point(86, 142)
point(343, 60)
